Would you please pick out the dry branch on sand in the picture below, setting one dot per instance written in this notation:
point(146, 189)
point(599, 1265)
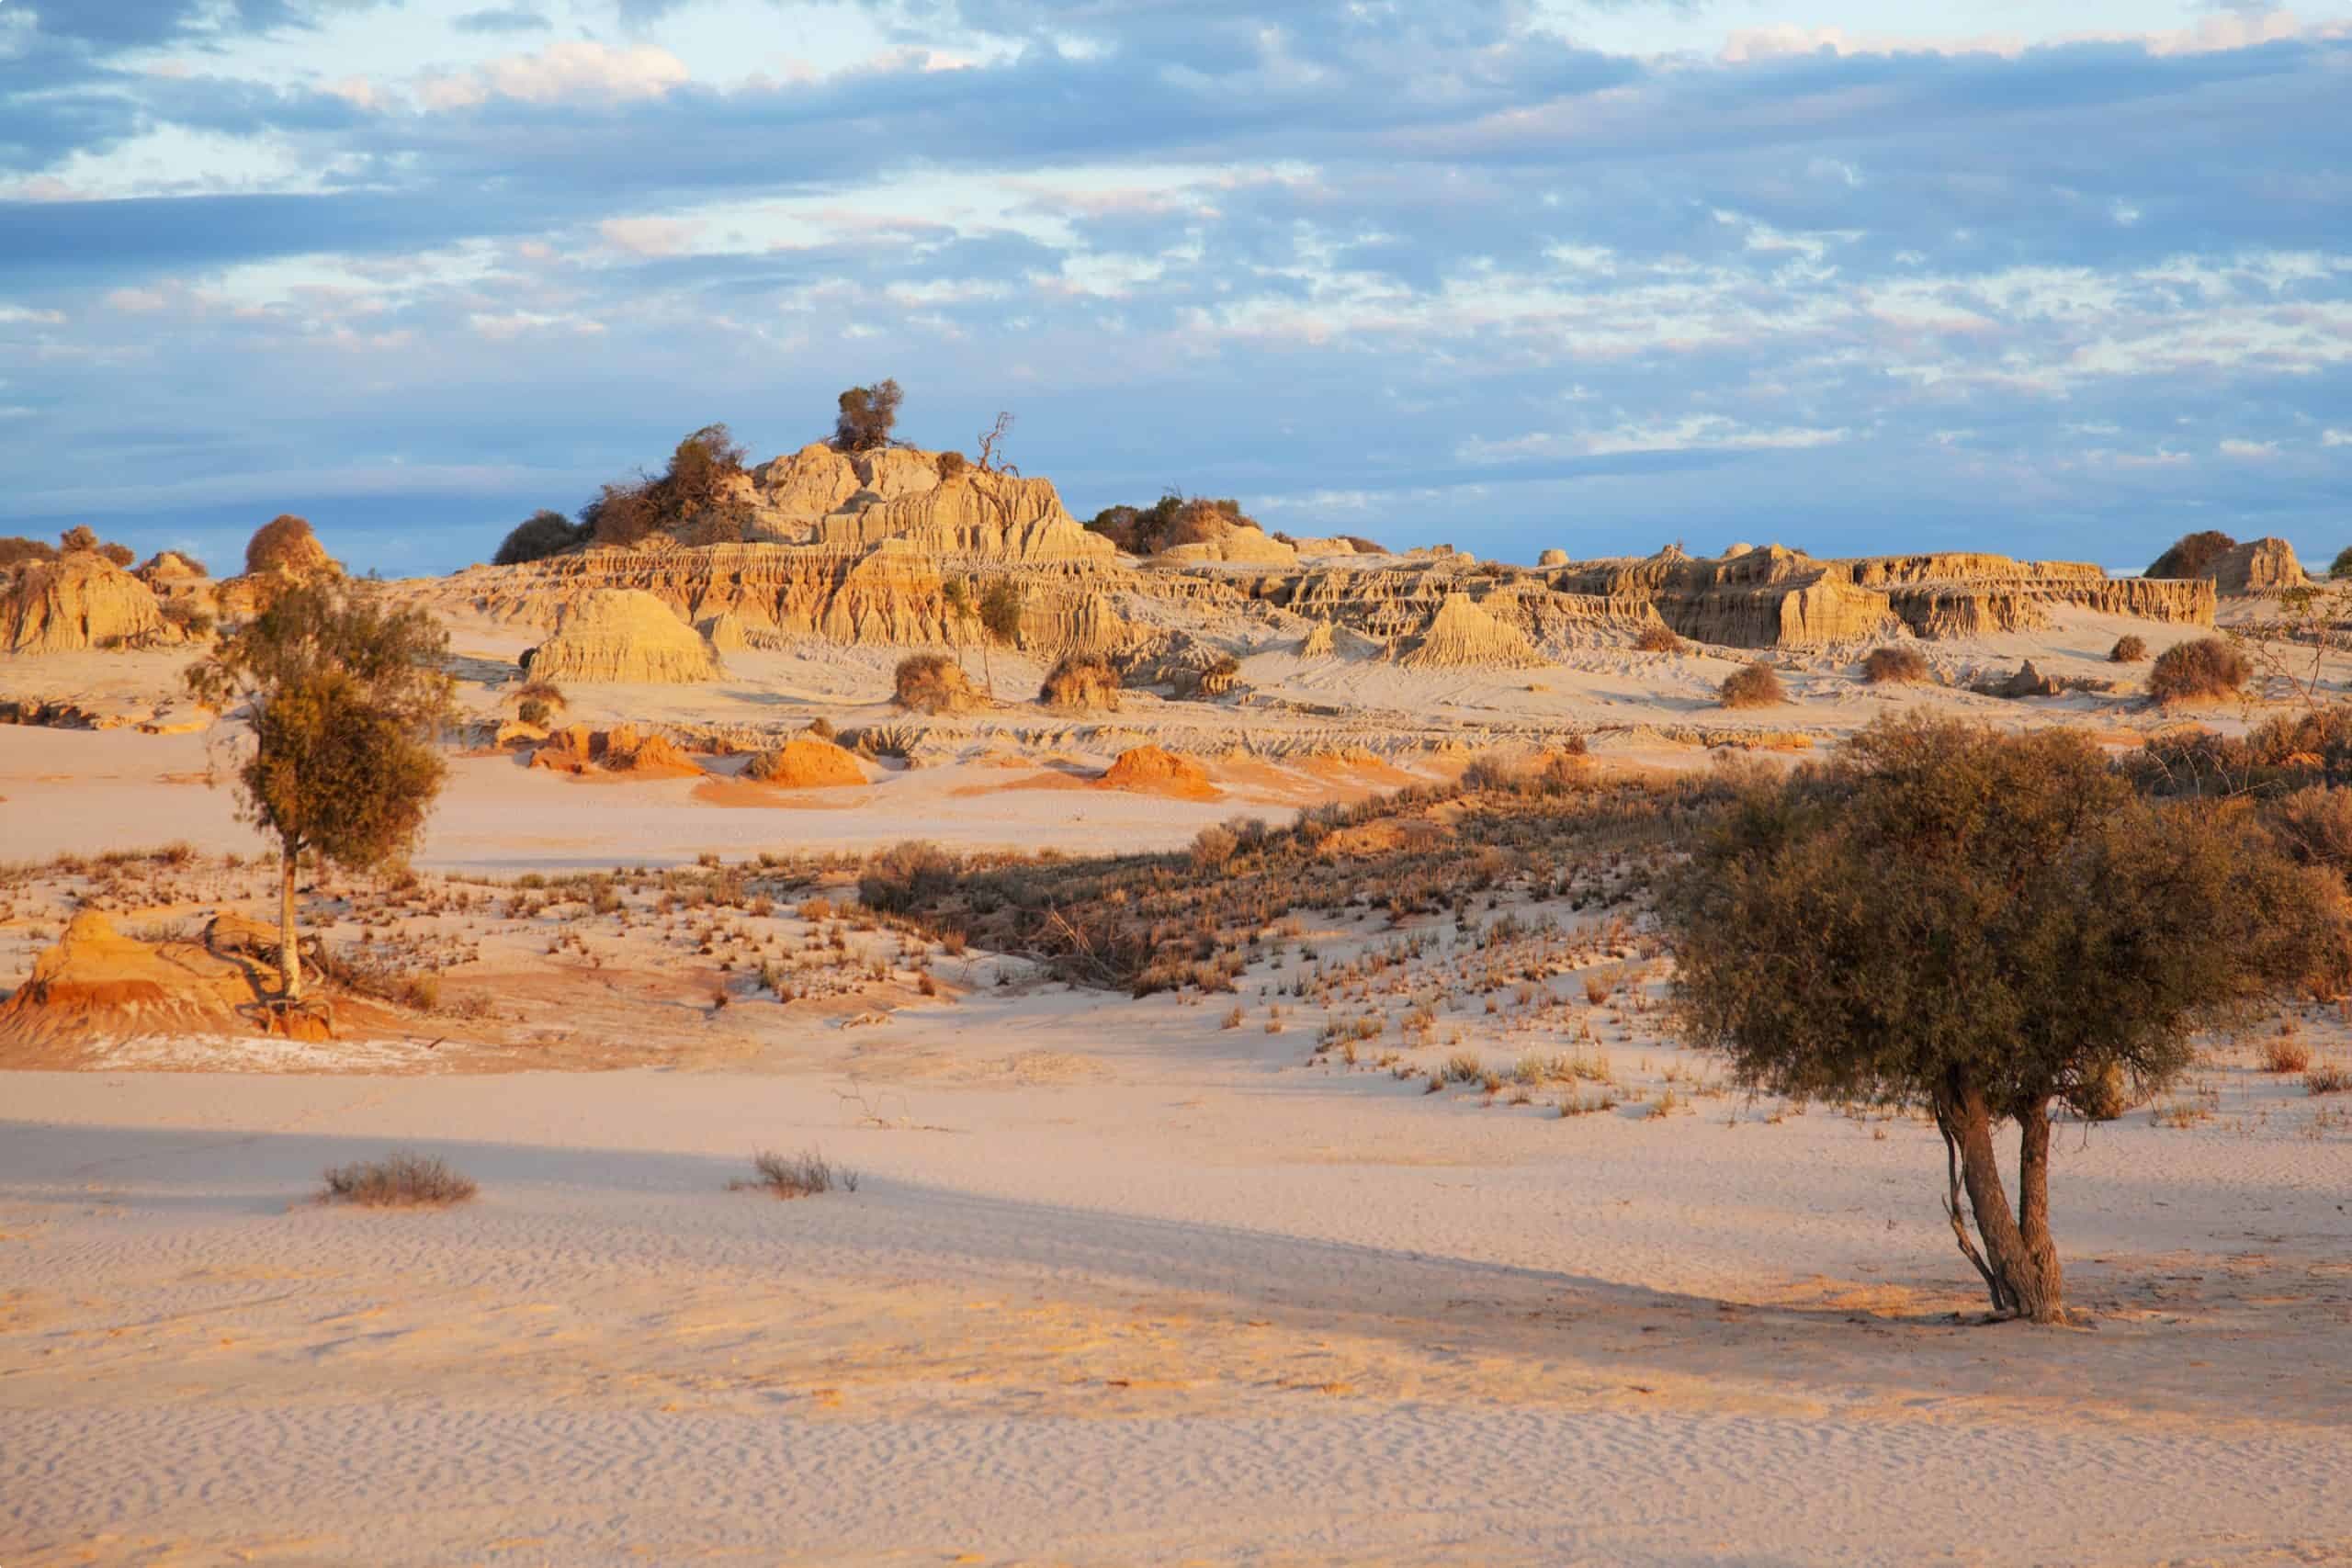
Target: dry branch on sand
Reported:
point(400, 1181)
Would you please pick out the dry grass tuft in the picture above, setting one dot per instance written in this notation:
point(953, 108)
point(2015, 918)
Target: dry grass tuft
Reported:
point(933, 682)
point(2130, 648)
point(2285, 1055)
point(1081, 680)
point(400, 1181)
point(2328, 1078)
point(802, 1174)
point(1657, 639)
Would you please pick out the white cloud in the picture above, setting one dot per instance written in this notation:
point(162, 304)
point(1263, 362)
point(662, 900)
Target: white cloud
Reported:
point(2238, 446)
point(20, 315)
point(573, 70)
point(136, 301)
point(2336, 438)
point(649, 236)
point(1696, 433)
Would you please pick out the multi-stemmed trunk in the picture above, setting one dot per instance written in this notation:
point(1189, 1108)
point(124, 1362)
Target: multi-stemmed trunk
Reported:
point(2019, 1262)
point(289, 954)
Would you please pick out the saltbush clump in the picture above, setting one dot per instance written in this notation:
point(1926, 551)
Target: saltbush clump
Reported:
point(933, 682)
point(1894, 666)
point(1657, 639)
point(402, 1181)
point(1756, 686)
point(2209, 668)
point(2130, 648)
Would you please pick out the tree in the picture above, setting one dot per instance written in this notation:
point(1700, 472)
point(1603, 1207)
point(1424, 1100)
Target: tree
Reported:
point(1000, 610)
point(342, 698)
point(866, 416)
point(992, 442)
point(539, 536)
point(1982, 926)
point(695, 500)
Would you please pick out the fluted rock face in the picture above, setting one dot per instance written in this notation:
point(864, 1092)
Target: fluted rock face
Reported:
point(622, 634)
point(1462, 636)
point(80, 601)
point(990, 517)
point(1232, 544)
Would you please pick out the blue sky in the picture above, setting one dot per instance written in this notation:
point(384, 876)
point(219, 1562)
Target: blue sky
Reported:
point(2053, 280)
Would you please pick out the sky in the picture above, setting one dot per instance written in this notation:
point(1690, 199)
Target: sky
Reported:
point(2063, 280)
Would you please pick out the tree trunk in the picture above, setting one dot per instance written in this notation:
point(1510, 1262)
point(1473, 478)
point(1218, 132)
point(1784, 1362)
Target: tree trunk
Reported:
point(2048, 1304)
point(290, 953)
point(2020, 1270)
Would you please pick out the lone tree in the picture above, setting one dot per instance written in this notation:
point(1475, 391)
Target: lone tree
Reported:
point(1982, 926)
point(866, 415)
point(342, 698)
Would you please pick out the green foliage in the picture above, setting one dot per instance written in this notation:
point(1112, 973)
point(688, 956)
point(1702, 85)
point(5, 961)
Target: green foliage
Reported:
point(1000, 605)
point(866, 415)
point(2207, 668)
point(2192, 554)
point(539, 536)
point(1977, 924)
point(342, 699)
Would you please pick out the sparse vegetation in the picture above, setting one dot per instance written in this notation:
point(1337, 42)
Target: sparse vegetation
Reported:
point(698, 500)
point(1174, 519)
point(1894, 666)
point(400, 1181)
point(1757, 685)
point(2130, 648)
point(803, 1175)
point(1658, 638)
point(2201, 671)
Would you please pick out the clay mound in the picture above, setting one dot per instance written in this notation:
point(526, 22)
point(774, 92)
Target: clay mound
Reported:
point(932, 682)
point(2026, 683)
point(166, 566)
point(724, 632)
point(1235, 542)
point(806, 762)
point(97, 984)
point(1081, 681)
point(1462, 635)
point(576, 749)
point(1149, 770)
point(623, 634)
point(80, 600)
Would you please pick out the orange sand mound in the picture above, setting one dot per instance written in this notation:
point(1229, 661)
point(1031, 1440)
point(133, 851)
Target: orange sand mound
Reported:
point(579, 751)
point(97, 982)
point(806, 762)
point(1149, 770)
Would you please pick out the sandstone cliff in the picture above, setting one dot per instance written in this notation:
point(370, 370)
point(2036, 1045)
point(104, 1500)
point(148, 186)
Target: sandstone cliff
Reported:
point(79, 601)
point(619, 633)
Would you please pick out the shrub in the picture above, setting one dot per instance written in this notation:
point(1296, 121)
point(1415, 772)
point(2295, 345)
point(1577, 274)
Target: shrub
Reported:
point(907, 875)
point(79, 538)
point(2130, 648)
point(821, 728)
point(2341, 567)
point(18, 551)
point(2054, 929)
point(120, 554)
point(400, 1181)
point(539, 536)
point(530, 710)
point(284, 542)
point(803, 1175)
point(188, 616)
point(1756, 686)
point(1080, 680)
point(1894, 666)
point(2287, 1054)
point(2193, 672)
point(1212, 847)
point(866, 415)
point(950, 464)
point(1657, 639)
point(1173, 519)
point(932, 682)
point(2327, 1078)
point(2314, 825)
point(695, 500)
point(2192, 554)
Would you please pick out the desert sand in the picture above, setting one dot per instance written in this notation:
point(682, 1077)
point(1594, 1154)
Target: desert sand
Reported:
point(1424, 1243)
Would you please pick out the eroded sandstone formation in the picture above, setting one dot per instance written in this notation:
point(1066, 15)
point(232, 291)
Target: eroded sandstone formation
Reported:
point(80, 600)
point(623, 634)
